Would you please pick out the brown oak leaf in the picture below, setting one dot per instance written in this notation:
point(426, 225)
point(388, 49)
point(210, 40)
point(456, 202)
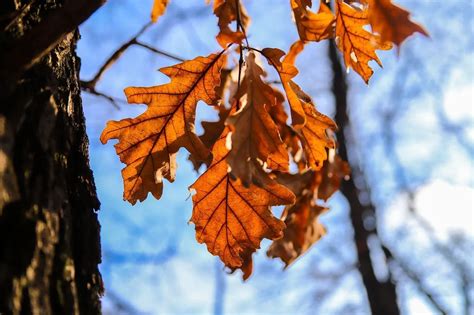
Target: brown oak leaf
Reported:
point(302, 226)
point(357, 44)
point(313, 26)
point(148, 143)
point(227, 11)
point(230, 218)
point(159, 7)
point(287, 71)
point(247, 264)
point(314, 135)
point(335, 170)
point(313, 132)
point(303, 229)
point(255, 137)
point(392, 22)
point(288, 135)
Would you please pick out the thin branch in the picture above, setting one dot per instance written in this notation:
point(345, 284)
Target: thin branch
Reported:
point(158, 51)
point(114, 101)
point(90, 85)
point(114, 57)
point(239, 22)
point(415, 279)
point(121, 306)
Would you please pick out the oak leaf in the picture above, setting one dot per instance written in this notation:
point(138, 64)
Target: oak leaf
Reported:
point(314, 135)
point(335, 170)
point(247, 264)
point(159, 7)
point(255, 137)
point(357, 44)
point(227, 12)
point(230, 218)
point(287, 71)
point(302, 225)
point(313, 26)
point(288, 135)
point(303, 229)
point(148, 143)
point(392, 22)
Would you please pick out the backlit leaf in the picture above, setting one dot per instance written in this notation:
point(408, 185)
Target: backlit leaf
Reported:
point(230, 218)
point(147, 143)
point(255, 137)
point(303, 229)
point(227, 12)
point(313, 26)
point(287, 71)
point(357, 44)
point(159, 7)
point(314, 135)
point(392, 22)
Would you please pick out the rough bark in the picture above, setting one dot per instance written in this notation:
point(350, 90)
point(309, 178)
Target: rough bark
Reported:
point(49, 232)
point(381, 294)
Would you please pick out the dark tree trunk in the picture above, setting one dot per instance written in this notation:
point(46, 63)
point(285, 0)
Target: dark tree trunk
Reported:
point(49, 232)
point(382, 295)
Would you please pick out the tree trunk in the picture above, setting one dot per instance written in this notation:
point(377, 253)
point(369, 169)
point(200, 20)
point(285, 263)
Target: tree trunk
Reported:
point(382, 295)
point(49, 232)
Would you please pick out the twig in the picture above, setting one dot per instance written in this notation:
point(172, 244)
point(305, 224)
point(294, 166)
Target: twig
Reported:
point(114, 101)
point(239, 22)
point(415, 279)
point(89, 85)
point(114, 57)
point(158, 51)
point(121, 305)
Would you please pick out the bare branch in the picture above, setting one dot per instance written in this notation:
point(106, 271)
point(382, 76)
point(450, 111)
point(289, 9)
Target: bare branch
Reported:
point(89, 86)
point(158, 51)
point(90, 89)
point(415, 279)
point(114, 57)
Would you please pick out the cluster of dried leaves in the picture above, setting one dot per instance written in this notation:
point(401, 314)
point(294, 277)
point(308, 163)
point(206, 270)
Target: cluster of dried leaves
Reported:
point(250, 150)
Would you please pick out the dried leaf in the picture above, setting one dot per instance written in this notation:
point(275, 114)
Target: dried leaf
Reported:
point(392, 22)
point(147, 144)
point(313, 132)
point(231, 218)
point(313, 135)
point(303, 229)
point(357, 44)
point(159, 7)
point(333, 172)
point(287, 71)
point(247, 265)
point(313, 26)
point(287, 134)
point(226, 11)
point(255, 137)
